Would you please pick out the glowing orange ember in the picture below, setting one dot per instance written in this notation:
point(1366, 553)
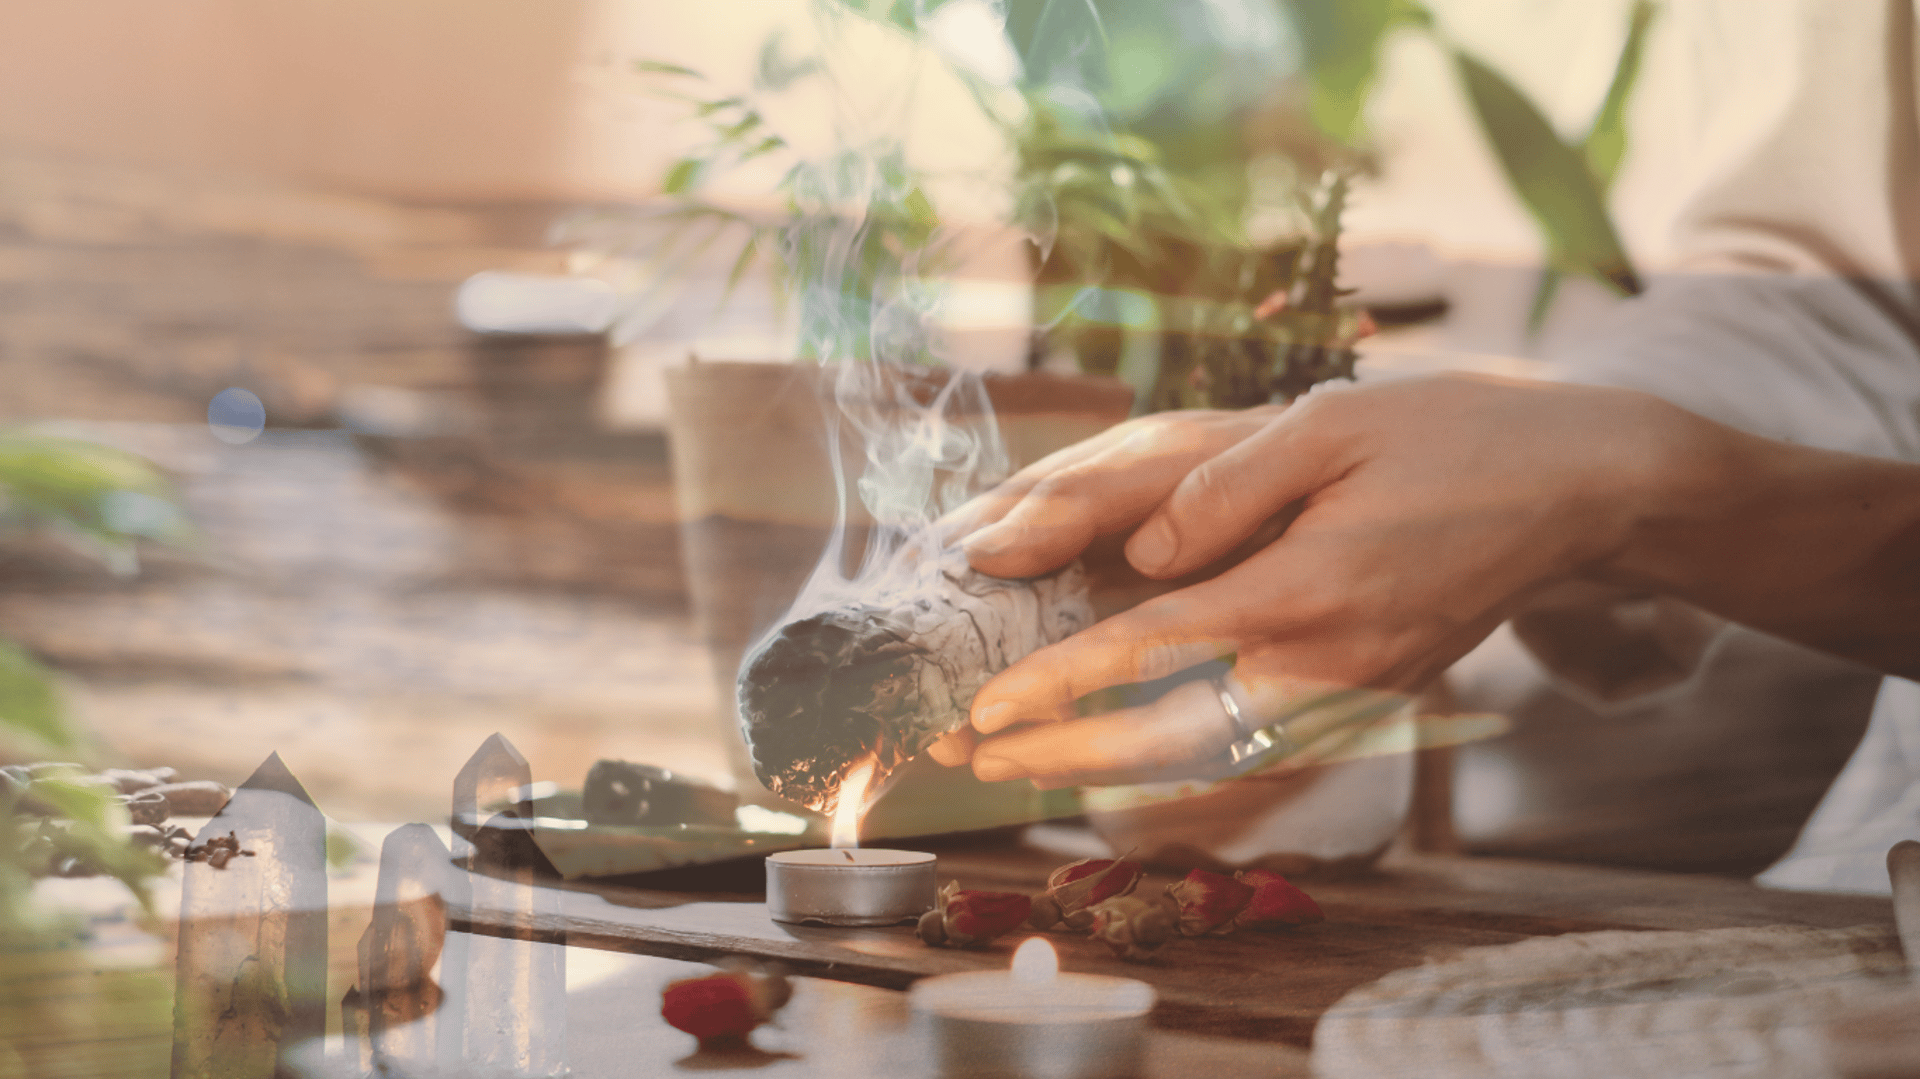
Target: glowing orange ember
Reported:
point(851, 802)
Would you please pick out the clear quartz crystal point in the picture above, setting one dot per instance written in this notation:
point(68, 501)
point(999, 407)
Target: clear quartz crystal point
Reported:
point(398, 995)
point(252, 966)
point(495, 774)
point(506, 1009)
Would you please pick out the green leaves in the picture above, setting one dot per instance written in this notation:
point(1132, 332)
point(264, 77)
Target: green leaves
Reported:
point(1606, 141)
point(661, 67)
point(1550, 177)
point(102, 499)
point(30, 706)
point(681, 176)
point(1341, 39)
point(1603, 148)
point(99, 498)
point(1563, 186)
point(105, 500)
point(94, 833)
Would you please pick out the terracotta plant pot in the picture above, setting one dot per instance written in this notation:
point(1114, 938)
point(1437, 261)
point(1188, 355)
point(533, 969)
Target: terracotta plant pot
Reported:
point(757, 499)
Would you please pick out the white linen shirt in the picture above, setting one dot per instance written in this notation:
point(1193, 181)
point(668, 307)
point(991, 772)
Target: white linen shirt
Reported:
point(1794, 315)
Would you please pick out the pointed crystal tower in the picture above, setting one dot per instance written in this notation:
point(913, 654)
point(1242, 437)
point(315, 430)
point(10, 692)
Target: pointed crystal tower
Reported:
point(495, 776)
point(400, 999)
point(252, 965)
point(506, 1012)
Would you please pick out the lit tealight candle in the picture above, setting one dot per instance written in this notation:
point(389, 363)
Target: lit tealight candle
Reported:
point(1033, 1021)
point(848, 885)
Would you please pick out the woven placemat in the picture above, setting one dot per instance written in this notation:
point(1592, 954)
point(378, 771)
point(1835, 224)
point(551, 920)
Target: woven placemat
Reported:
point(1748, 1002)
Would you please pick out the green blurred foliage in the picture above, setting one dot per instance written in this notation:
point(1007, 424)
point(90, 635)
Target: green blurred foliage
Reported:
point(30, 707)
point(104, 502)
point(1562, 184)
point(1133, 181)
point(1604, 147)
point(1551, 177)
point(1341, 40)
point(847, 271)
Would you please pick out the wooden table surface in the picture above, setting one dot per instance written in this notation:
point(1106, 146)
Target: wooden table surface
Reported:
point(1253, 986)
point(1244, 1005)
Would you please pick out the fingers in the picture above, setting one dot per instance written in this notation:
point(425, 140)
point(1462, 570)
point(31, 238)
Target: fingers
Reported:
point(1183, 728)
point(1052, 513)
point(1064, 512)
point(1290, 628)
point(953, 748)
point(992, 505)
point(1161, 637)
point(1226, 498)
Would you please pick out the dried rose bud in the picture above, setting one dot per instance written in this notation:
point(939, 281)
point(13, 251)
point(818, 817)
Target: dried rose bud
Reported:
point(1092, 880)
point(1275, 903)
point(1074, 887)
point(974, 918)
point(1046, 912)
point(932, 927)
point(967, 919)
point(1134, 928)
point(1208, 901)
point(724, 1006)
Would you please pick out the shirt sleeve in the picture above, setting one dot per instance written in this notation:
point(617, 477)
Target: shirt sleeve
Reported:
point(1793, 311)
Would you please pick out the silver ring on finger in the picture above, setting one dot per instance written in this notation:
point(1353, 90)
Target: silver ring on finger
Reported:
point(1249, 741)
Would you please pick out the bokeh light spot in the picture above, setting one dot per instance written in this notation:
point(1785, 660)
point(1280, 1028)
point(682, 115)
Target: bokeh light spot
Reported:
point(236, 416)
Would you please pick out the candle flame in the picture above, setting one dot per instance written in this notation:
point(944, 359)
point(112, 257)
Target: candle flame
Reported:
point(1035, 961)
point(851, 803)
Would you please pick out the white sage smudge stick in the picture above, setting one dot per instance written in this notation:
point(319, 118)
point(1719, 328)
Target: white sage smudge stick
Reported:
point(887, 673)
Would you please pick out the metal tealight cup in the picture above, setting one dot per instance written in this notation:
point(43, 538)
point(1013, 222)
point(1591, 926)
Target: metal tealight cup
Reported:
point(849, 887)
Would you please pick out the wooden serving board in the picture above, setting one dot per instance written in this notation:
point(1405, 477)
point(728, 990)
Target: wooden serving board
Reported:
point(1268, 986)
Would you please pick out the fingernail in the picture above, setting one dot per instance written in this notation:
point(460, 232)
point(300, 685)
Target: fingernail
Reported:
point(993, 717)
point(995, 769)
point(1153, 546)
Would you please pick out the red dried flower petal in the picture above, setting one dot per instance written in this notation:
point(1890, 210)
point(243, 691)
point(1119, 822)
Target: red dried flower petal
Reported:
point(978, 917)
point(1112, 878)
point(716, 1006)
point(1208, 901)
point(1276, 902)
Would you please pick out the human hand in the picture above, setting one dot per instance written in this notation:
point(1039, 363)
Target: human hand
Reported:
point(1050, 511)
point(1429, 510)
